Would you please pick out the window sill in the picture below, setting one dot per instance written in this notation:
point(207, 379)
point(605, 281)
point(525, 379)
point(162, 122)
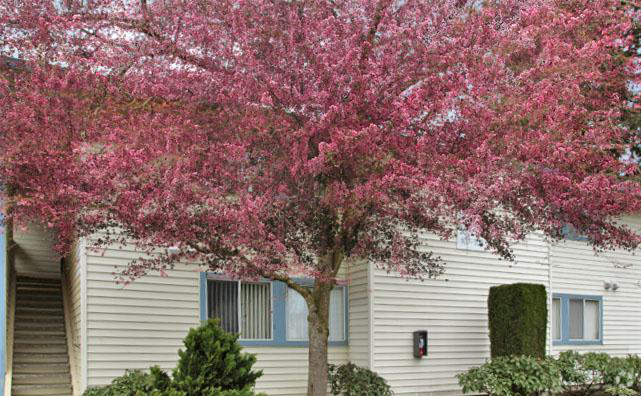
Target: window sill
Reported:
point(293, 344)
point(577, 342)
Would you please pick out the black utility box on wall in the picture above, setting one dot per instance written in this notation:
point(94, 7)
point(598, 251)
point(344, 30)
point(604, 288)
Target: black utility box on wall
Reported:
point(420, 343)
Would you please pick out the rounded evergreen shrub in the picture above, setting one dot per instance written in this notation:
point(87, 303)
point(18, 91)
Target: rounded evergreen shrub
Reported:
point(212, 362)
point(351, 380)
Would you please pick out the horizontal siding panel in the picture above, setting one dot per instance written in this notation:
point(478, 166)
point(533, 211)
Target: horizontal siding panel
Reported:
point(453, 307)
point(143, 323)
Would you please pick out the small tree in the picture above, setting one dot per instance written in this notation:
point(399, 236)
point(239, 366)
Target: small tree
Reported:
point(280, 138)
point(518, 318)
point(212, 360)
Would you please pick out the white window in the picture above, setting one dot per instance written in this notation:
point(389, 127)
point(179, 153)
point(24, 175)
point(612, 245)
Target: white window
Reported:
point(242, 307)
point(297, 327)
point(584, 323)
point(556, 319)
point(467, 241)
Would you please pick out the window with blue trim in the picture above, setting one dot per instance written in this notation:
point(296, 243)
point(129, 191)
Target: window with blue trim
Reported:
point(577, 319)
point(268, 313)
point(242, 307)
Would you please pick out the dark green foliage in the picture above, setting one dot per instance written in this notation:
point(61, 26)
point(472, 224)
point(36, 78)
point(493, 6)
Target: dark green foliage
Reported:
point(594, 373)
point(518, 320)
point(212, 359)
point(133, 383)
point(572, 374)
point(634, 367)
point(512, 375)
point(351, 380)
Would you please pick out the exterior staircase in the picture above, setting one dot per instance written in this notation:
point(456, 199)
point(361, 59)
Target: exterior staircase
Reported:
point(40, 358)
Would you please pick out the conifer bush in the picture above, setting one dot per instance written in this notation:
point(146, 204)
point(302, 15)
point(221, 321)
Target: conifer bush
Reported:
point(212, 360)
point(518, 320)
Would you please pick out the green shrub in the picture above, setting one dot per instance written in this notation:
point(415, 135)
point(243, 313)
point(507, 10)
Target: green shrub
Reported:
point(634, 368)
point(518, 320)
point(512, 375)
point(595, 373)
point(211, 392)
point(351, 380)
point(133, 383)
point(212, 361)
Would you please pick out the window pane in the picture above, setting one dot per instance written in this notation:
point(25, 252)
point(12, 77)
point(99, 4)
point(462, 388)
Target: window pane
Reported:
point(576, 319)
point(223, 303)
point(255, 307)
point(296, 316)
point(297, 329)
point(556, 319)
point(337, 315)
point(592, 319)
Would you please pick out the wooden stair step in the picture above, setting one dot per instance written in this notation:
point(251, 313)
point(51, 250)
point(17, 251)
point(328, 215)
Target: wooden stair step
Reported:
point(40, 368)
point(42, 379)
point(45, 358)
point(41, 390)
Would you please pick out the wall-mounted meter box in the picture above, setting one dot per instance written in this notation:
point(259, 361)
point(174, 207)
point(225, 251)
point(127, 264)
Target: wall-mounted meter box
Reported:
point(420, 344)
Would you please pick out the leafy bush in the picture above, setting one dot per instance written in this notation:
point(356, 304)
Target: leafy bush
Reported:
point(512, 375)
point(212, 361)
point(351, 380)
point(594, 373)
point(572, 374)
point(133, 383)
point(518, 320)
point(634, 369)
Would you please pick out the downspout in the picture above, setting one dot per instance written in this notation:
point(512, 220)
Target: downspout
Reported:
point(550, 300)
point(84, 359)
point(370, 297)
point(4, 270)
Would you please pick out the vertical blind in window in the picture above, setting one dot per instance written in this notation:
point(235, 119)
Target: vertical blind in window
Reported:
point(297, 328)
point(245, 310)
point(223, 304)
point(255, 310)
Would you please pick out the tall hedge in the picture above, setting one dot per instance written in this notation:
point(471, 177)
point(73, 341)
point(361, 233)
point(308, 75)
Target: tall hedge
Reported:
point(518, 320)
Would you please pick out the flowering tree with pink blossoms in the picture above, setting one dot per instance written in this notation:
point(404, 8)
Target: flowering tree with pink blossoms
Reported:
point(281, 138)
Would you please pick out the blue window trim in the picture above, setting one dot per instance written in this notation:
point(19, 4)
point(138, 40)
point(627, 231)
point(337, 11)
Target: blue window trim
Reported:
point(565, 315)
point(571, 234)
point(279, 314)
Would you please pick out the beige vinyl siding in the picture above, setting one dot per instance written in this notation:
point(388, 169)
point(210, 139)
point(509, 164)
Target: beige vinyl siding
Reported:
point(34, 254)
point(140, 324)
point(285, 368)
point(143, 324)
point(577, 270)
point(73, 291)
point(452, 308)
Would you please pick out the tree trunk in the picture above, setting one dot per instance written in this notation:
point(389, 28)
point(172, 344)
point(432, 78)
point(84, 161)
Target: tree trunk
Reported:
point(318, 320)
